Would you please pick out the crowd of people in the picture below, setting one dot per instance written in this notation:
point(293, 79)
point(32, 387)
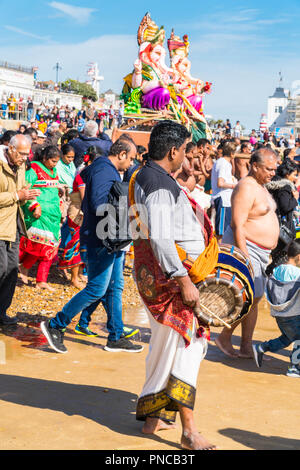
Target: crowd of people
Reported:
point(42, 116)
point(54, 179)
point(224, 130)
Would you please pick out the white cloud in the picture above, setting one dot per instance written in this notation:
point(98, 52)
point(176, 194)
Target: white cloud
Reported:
point(271, 21)
point(240, 21)
point(79, 14)
point(240, 17)
point(26, 33)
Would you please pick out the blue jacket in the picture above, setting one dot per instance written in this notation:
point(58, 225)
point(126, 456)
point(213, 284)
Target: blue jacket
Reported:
point(82, 143)
point(99, 178)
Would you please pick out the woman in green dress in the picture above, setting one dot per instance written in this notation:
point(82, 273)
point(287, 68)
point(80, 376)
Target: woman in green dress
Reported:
point(42, 218)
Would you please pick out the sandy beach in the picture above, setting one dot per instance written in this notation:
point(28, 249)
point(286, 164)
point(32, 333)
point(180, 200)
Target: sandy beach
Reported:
point(86, 399)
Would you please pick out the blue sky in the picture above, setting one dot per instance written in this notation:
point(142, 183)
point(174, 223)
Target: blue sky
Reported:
point(240, 46)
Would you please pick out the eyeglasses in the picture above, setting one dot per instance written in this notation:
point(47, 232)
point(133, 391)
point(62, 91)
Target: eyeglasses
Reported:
point(23, 154)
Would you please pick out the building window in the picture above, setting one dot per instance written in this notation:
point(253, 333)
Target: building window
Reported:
point(278, 109)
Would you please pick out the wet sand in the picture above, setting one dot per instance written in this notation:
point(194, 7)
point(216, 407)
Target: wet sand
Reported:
point(86, 399)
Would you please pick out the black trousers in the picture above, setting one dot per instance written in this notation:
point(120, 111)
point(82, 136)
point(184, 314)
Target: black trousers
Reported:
point(9, 262)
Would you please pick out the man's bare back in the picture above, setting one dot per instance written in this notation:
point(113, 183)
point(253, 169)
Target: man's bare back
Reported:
point(252, 202)
point(242, 166)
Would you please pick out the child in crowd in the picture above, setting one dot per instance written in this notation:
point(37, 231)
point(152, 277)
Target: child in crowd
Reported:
point(66, 169)
point(283, 294)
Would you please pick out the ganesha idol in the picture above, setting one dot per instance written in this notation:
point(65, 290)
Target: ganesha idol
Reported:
point(187, 86)
point(151, 74)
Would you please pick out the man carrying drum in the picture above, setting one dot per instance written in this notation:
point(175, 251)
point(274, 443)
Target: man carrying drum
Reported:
point(174, 248)
point(255, 230)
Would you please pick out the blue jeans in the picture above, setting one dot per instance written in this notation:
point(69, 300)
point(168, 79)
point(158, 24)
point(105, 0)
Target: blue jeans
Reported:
point(105, 284)
point(29, 114)
point(290, 329)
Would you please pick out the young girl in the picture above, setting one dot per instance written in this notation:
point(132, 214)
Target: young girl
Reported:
point(65, 168)
point(284, 296)
point(42, 218)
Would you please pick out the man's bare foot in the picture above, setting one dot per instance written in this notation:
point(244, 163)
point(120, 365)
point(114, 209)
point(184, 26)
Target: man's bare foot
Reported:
point(44, 285)
point(226, 348)
point(77, 284)
point(194, 441)
point(246, 352)
point(153, 425)
point(245, 355)
point(23, 274)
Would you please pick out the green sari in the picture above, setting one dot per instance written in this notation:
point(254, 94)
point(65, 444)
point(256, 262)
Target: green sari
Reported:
point(43, 234)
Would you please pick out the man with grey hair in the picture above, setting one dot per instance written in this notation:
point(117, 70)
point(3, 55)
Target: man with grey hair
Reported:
point(91, 136)
point(91, 129)
point(13, 193)
point(54, 134)
point(254, 229)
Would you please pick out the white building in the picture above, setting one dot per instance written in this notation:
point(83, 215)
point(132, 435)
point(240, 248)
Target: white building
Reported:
point(51, 98)
point(283, 116)
point(17, 80)
point(21, 82)
point(111, 99)
point(277, 109)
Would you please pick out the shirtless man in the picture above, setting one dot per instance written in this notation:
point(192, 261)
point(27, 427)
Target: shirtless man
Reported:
point(242, 162)
point(185, 177)
point(255, 230)
point(203, 163)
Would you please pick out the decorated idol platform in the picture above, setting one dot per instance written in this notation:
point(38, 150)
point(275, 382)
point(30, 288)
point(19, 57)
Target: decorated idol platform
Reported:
point(155, 90)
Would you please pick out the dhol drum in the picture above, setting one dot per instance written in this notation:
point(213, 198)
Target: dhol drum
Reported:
point(227, 294)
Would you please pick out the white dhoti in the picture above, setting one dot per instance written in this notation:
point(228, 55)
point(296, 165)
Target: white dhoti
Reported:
point(171, 372)
point(200, 196)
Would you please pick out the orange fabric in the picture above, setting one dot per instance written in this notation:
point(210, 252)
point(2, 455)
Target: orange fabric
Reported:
point(204, 264)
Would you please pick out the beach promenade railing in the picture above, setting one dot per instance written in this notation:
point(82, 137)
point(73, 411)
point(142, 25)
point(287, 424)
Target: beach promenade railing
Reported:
point(19, 68)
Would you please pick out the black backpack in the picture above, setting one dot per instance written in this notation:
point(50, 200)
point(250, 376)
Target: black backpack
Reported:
point(117, 216)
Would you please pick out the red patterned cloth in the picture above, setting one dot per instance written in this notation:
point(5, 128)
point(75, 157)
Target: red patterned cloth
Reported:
point(162, 296)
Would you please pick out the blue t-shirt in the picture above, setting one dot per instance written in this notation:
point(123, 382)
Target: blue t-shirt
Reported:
point(286, 273)
point(81, 123)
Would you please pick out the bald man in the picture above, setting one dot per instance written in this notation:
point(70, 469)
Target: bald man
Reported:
point(255, 230)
